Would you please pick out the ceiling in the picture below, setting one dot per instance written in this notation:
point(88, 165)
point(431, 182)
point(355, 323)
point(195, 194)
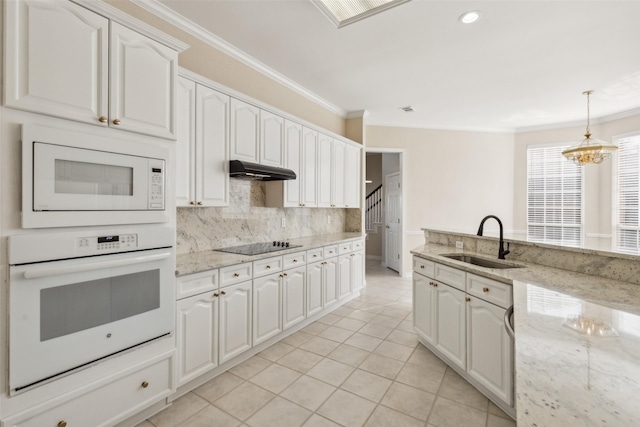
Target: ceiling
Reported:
point(523, 64)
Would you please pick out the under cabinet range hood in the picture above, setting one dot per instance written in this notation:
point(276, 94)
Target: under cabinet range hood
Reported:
point(257, 172)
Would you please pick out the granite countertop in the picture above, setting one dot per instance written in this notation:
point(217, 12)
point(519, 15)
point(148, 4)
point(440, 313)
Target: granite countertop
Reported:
point(566, 373)
point(210, 260)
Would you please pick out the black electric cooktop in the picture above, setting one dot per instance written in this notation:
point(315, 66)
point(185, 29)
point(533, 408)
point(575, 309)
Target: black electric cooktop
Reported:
point(259, 248)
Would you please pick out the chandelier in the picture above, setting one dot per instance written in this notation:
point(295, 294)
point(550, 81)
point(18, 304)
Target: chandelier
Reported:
point(589, 150)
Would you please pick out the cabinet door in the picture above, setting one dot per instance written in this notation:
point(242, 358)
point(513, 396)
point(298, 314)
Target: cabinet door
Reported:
point(314, 288)
point(293, 158)
point(186, 143)
point(352, 177)
point(344, 275)
point(235, 320)
point(293, 297)
point(57, 60)
point(330, 281)
point(197, 335)
point(357, 270)
point(338, 174)
point(271, 139)
point(212, 155)
point(267, 309)
point(142, 83)
point(424, 307)
point(450, 321)
point(309, 179)
point(245, 131)
point(489, 348)
point(325, 147)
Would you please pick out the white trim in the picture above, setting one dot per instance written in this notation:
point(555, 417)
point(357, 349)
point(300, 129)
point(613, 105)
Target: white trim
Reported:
point(132, 23)
point(596, 121)
point(598, 235)
point(449, 128)
point(414, 233)
point(357, 114)
point(174, 18)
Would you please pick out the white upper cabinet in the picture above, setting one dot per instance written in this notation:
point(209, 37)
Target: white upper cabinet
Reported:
point(66, 61)
point(272, 133)
point(245, 131)
point(338, 174)
point(57, 60)
point(202, 158)
point(143, 74)
point(309, 172)
point(293, 159)
point(352, 177)
point(325, 149)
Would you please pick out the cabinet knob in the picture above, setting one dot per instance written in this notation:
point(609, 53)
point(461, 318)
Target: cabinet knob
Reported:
point(116, 122)
point(223, 293)
point(268, 266)
point(467, 299)
point(215, 294)
point(62, 423)
point(236, 274)
point(192, 202)
point(422, 266)
point(200, 203)
point(280, 275)
point(144, 384)
point(286, 275)
point(304, 204)
point(103, 119)
point(295, 260)
point(435, 284)
point(315, 255)
point(485, 289)
point(386, 226)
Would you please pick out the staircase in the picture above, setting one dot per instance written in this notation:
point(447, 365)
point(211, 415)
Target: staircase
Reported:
point(374, 211)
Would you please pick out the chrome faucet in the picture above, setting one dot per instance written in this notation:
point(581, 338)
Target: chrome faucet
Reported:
point(501, 251)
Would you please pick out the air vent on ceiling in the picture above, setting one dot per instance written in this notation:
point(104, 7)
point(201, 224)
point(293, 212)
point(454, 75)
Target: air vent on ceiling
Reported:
point(407, 109)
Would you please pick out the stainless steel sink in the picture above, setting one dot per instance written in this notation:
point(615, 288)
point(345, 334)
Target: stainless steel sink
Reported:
point(481, 262)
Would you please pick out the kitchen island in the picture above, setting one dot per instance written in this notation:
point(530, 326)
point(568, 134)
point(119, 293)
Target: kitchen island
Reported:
point(577, 336)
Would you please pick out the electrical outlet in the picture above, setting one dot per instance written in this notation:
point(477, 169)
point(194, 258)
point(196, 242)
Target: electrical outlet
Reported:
point(284, 222)
point(459, 245)
point(328, 219)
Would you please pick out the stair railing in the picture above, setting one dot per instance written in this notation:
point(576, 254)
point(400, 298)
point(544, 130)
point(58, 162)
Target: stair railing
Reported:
point(373, 205)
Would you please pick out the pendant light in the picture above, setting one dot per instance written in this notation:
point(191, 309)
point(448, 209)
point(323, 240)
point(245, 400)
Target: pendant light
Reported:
point(590, 150)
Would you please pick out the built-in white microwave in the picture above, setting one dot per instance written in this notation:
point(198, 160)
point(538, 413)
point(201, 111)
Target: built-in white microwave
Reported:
point(75, 179)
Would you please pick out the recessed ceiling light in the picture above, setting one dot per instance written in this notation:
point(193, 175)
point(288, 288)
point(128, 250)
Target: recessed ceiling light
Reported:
point(469, 17)
point(407, 109)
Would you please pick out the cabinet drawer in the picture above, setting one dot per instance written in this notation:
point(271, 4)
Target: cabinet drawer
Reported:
point(314, 255)
point(294, 260)
point(267, 266)
point(345, 248)
point(195, 284)
point(423, 266)
point(490, 290)
point(450, 276)
point(330, 251)
point(357, 245)
point(111, 403)
point(235, 274)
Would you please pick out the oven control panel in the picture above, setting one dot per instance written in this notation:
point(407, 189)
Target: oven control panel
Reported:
point(113, 243)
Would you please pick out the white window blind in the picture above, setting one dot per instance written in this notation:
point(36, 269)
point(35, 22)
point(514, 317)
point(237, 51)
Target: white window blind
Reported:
point(627, 194)
point(554, 197)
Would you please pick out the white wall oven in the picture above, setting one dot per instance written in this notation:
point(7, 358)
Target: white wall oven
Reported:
point(80, 296)
point(71, 179)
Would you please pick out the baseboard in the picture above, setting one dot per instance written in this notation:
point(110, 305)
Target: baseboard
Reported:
point(373, 257)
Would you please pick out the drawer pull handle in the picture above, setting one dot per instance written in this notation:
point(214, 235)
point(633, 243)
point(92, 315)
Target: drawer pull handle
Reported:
point(236, 274)
point(422, 266)
point(62, 423)
point(467, 299)
point(485, 289)
point(223, 293)
point(268, 266)
point(144, 384)
point(215, 294)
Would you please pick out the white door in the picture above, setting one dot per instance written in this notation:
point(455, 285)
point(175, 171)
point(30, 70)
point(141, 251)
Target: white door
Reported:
point(59, 42)
point(143, 75)
point(292, 160)
point(309, 178)
point(330, 281)
point(293, 297)
point(267, 309)
point(325, 147)
point(489, 348)
point(186, 143)
point(344, 275)
point(423, 307)
point(271, 139)
point(314, 287)
point(245, 131)
point(235, 320)
point(393, 214)
point(212, 147)
point(451, 325)
point(197, 335)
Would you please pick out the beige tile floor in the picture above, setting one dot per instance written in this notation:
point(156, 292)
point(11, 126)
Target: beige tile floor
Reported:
point(360, 365)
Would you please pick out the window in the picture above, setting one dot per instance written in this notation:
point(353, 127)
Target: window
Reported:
point(554, 197)
point(626, 179)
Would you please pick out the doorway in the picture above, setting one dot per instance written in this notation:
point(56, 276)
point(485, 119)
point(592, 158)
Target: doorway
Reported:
point(384, 212)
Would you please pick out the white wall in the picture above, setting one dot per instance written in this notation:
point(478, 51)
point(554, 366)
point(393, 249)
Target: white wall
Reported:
point(453, 178)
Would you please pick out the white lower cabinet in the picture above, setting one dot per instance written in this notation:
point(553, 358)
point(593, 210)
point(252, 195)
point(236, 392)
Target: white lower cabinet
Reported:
point(197, 335)
point(330, 281)
point(489, 348)
point(315, 300)
point(293, 296)
point(344, 275)
point(357, 270)
point(235, 320)
point(267, 308)
point(450, 323)
point(424, 307)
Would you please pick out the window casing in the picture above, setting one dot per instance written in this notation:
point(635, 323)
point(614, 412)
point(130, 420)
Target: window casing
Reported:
point(554, 197)
point(626, 193)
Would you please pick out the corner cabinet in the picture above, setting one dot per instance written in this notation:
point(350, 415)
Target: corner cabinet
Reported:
point(202, 158)
point(66, 61)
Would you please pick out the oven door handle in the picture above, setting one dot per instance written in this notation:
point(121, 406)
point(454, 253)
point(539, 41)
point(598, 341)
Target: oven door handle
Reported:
point(36, 274)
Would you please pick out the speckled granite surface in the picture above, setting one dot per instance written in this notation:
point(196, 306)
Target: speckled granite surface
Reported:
point(566, 377)
point(210, 259)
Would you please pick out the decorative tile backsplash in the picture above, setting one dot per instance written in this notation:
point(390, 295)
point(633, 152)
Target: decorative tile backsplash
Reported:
point(246, 220)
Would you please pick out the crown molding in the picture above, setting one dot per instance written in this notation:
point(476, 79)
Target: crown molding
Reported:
point(357, 114)
point(447, 128)
point(174, 18)
point(578, 123)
